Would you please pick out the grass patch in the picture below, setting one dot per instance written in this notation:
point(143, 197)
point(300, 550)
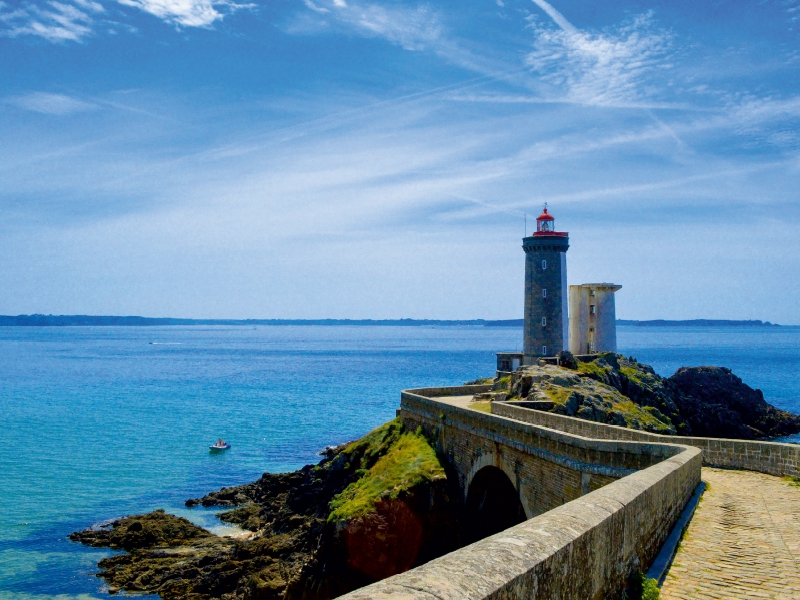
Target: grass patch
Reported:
point(480, 381)
point(593, 369)
point(366, 451)
point(504, 383)
point(640, 377)
point(481, 406)
point(630, 411)
point(794, 480)
point(633, 374)
point(558, 395)
point(641, 587)
point(404, 459)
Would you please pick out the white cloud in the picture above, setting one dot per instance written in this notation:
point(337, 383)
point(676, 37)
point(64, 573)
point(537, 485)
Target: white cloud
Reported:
point(414, 28)
point(557, 17)
point(598, 68)
point(51, 104)
point(72, 20)
point(411, 29)
point(314, 7)
point(89, 5)
point(189, 13)
point(54, 21)
point(792, 9)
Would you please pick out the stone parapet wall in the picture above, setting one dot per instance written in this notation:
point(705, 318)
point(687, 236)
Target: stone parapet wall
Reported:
point(585, 548)
point(615, 458)
point(443, 392)
point(773, 458)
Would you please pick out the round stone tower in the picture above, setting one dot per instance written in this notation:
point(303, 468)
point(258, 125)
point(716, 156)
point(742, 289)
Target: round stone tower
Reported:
point(546, 322)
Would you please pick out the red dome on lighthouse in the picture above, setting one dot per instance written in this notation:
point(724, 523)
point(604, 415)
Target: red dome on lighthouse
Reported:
point(545, 224)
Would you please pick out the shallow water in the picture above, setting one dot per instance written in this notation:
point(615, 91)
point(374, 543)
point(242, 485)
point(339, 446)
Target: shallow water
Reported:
point(105, 421)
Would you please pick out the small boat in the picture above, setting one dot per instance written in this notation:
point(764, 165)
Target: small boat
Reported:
point(219, 446)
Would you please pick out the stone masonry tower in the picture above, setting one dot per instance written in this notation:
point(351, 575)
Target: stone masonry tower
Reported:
point(546, 323)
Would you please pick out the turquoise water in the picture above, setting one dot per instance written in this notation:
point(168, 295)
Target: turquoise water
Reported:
point(99, 422)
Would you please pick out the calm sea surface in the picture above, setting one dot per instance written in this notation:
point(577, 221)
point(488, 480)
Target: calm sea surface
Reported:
point(98, 422)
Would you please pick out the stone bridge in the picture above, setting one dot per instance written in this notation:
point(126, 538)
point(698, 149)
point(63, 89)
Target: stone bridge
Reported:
point(509, 471)
point(570, 507)
point(566, 516)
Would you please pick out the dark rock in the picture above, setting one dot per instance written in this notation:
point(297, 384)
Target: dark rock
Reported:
point(522, 386)
point(143, 531)
point(567, 360)
point(716, 403)
point(618, 419)
point(610, 388)
point(573, 402)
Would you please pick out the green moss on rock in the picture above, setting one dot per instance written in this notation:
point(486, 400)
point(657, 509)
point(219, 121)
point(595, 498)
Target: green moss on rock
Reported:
point(480, 381)
point(592, 393)
point(406, 460)
point(592, 368)
point(641, 587)
point(559, 395)
point(502, 383)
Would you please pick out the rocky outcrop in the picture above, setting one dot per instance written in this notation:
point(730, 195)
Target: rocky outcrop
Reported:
point(613, 389)
point(143, 531)
point(592, 391)
point(369, 509)
point(716, 403)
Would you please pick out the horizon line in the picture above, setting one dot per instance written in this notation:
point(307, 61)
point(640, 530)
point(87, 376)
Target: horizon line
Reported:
point(43, 320)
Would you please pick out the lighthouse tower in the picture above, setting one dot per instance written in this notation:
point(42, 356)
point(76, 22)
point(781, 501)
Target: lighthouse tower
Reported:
point(546, 321)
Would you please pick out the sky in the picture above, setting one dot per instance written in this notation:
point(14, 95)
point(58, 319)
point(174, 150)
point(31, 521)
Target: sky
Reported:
point(380, 158)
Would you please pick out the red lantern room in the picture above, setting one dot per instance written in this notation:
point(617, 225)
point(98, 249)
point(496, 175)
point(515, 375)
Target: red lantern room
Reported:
point(545, 224)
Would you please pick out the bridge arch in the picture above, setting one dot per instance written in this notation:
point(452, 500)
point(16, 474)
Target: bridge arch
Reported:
point(493, 501)
point(493, 459)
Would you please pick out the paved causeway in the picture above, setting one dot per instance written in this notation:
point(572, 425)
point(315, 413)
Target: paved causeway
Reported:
point(743, 542)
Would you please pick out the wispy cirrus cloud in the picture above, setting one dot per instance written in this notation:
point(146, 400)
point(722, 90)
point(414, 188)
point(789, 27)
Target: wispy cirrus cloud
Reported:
point(606, 68)
point(412, 28)
point(51, 104)
point(615, 67)
point(54, 21)
point(792, 8)
point(187, 13)
point(75, 20)
point(416, 28)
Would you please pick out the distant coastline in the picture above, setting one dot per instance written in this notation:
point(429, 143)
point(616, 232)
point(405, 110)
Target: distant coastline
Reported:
point(134, 321)
point(697, 323)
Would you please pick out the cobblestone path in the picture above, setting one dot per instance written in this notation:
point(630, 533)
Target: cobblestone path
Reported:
point(743, 542)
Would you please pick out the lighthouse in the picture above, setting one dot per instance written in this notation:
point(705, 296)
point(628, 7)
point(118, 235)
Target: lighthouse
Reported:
point(546, 321)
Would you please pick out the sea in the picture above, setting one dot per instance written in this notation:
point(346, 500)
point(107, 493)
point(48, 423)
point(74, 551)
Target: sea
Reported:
point(100, 422)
